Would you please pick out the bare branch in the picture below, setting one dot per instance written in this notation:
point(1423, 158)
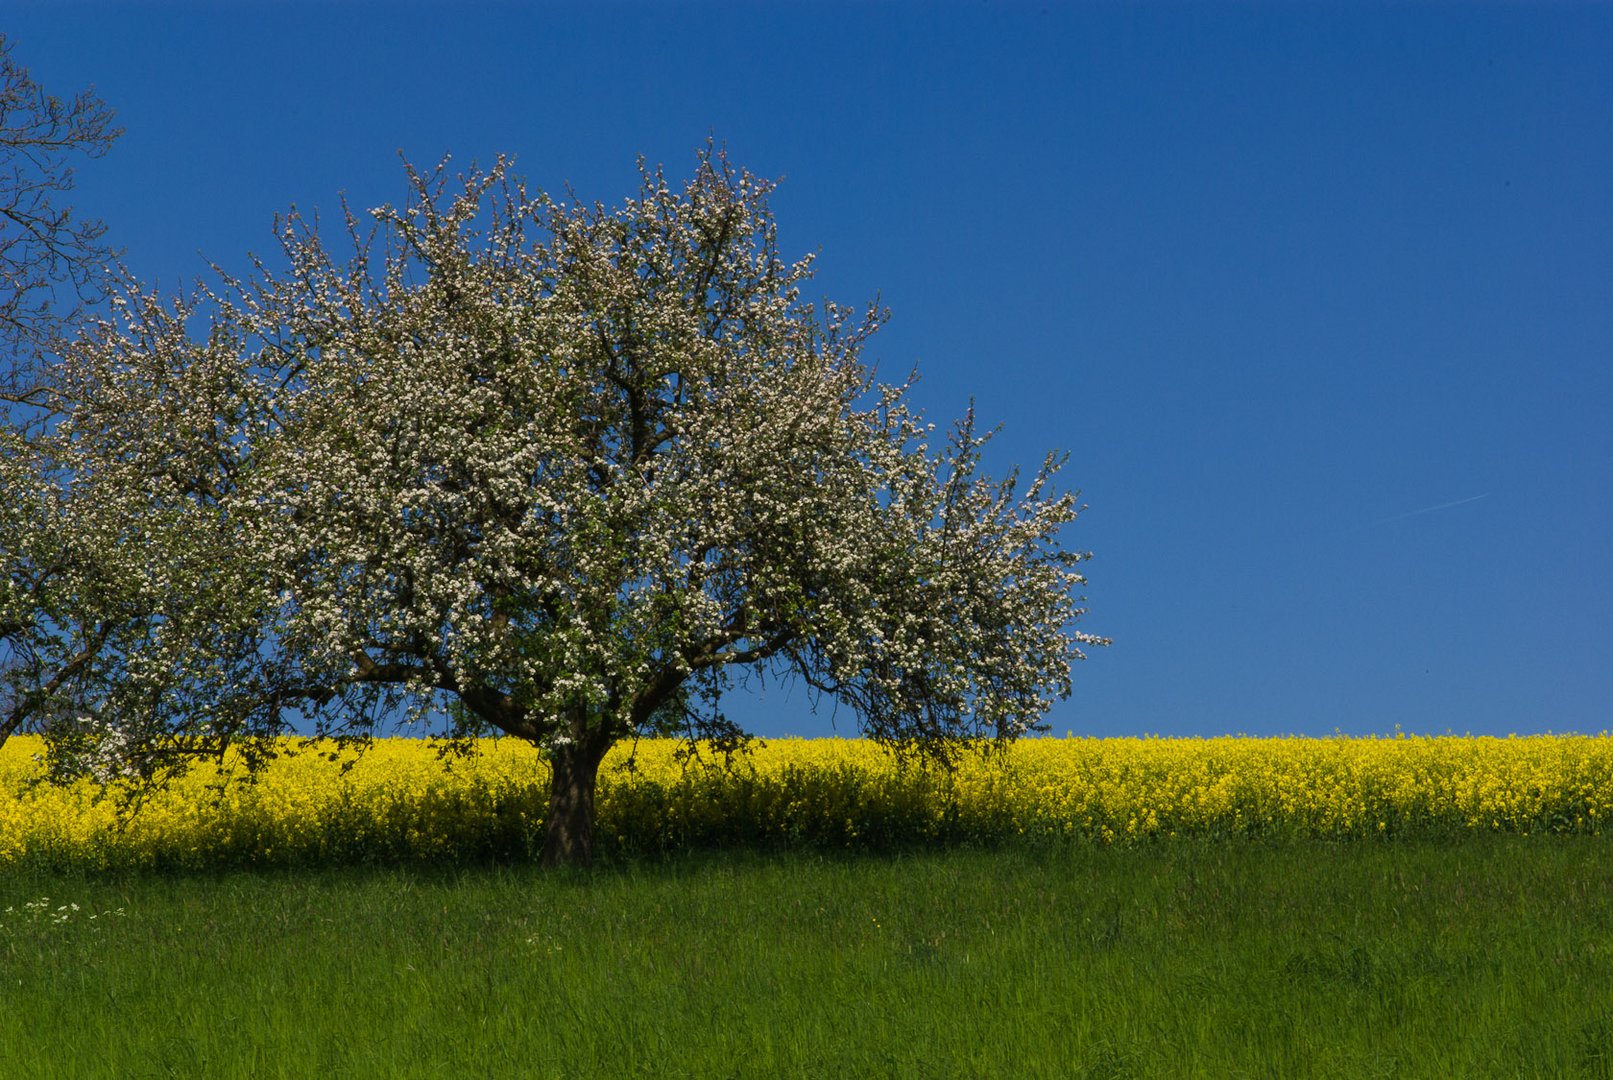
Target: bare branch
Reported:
point(51, 262)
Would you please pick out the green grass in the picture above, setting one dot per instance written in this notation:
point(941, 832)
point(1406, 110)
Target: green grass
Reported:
point(1491, 956)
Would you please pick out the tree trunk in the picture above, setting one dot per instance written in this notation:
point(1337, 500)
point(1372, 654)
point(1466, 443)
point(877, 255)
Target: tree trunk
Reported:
point(569, 840)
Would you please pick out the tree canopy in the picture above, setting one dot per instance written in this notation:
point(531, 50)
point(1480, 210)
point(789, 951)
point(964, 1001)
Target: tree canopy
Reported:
point(563, 470)
point(51, 261)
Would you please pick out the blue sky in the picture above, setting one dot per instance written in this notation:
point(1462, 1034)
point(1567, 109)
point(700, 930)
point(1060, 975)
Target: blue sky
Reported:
point(1319, 299)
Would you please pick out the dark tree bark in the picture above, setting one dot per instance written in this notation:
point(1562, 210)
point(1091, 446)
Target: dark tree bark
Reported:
point(569, 839)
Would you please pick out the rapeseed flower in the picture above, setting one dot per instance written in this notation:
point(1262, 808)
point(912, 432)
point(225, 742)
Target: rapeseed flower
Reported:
point(400, 802)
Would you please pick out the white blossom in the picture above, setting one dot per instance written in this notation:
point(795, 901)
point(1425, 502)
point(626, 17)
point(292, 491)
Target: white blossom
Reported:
point(566, 467)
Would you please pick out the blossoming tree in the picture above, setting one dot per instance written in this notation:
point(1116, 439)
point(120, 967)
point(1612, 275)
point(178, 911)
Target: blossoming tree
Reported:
point(131, 630)
point(564, 470)
point(59, 615)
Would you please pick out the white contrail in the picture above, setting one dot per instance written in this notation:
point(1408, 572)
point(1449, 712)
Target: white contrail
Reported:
point(1431, 509)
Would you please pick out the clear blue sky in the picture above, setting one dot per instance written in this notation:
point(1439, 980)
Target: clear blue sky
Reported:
point(1319, 299)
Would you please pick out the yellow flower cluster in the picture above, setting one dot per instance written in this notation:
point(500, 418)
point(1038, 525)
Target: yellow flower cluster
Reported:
point(401, 802)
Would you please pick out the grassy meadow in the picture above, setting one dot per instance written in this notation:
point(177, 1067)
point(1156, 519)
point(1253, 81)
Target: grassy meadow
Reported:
point(1082, 908)
point(1487, 956)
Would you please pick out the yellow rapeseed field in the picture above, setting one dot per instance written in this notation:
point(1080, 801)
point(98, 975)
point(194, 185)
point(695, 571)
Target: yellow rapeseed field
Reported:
point(400, 802)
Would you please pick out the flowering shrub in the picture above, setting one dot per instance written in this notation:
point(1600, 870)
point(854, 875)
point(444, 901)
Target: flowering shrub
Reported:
point(399, 802)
